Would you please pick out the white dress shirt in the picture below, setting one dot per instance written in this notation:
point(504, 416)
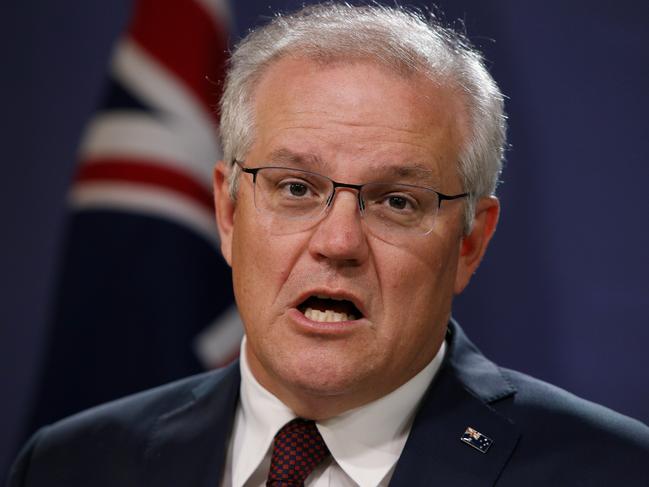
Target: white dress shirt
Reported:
point(365, 443)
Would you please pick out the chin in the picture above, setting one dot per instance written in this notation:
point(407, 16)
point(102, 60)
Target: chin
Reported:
point(324, 376)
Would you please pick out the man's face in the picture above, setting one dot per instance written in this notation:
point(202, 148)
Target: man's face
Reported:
point(355, 123)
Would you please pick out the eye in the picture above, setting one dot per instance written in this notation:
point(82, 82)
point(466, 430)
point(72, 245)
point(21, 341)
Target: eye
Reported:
point(297, 189)
point(400, 203)
point(397, 202)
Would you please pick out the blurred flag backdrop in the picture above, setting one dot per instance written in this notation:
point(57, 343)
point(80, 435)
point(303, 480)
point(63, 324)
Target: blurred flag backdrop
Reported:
point(143, 286)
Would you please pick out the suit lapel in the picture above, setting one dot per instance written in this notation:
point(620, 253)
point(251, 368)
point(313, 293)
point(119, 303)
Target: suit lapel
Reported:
point(189, 444)
point(458, 399)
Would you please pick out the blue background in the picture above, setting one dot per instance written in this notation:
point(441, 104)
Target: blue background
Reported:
point(563, 293)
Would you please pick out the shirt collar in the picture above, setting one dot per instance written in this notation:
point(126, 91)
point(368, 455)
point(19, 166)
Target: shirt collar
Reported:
point(260, 416)
point(365, 442)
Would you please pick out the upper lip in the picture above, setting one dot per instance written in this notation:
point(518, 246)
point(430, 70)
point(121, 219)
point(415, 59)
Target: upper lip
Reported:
point(333, 293)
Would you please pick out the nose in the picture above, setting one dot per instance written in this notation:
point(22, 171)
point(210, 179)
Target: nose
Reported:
point(340, 237)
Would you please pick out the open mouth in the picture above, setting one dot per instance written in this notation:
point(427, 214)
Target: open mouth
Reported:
point(329, 310)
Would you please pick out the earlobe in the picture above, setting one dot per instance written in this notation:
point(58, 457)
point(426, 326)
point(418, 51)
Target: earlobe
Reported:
point(224, 206)
point(474, 245)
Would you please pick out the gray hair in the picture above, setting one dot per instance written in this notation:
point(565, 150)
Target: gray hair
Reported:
point(399, 39)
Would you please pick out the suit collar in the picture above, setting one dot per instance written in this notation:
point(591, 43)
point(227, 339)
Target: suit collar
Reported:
point(188, 445)
point(459, 398)
point(478, 374)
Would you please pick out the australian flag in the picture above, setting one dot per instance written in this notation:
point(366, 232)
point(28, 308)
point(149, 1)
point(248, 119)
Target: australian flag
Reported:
point(144, 296)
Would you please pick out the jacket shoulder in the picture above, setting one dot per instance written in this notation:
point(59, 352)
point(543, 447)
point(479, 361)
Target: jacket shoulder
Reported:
point(535, 398)
point(115, 434)
point(133, 414)
point(561, 429)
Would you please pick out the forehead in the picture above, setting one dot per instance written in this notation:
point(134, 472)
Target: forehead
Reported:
point(356, 111)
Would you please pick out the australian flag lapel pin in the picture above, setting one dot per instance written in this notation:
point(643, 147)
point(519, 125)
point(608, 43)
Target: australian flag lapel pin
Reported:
point(477, 440)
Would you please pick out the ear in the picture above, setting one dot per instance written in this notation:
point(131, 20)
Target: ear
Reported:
point(224, 209)
point(474, 245)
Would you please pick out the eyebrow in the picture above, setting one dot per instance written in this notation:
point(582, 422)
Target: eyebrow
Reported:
point(415, 173)
point(288, 157)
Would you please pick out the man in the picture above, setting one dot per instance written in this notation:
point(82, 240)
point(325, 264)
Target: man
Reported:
point(362, 148)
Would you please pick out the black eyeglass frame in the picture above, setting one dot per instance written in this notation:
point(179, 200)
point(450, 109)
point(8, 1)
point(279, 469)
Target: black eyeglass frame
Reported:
point(358, 187)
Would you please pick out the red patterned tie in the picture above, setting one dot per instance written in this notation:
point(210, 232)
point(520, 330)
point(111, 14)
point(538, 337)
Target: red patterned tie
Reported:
point(298, 449)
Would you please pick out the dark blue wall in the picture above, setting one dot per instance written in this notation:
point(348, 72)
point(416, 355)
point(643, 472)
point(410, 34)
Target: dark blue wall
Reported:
point(563, 293)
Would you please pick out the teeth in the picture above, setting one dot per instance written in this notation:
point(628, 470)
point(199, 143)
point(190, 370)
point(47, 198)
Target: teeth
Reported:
point(322, 296)
point(328, 316)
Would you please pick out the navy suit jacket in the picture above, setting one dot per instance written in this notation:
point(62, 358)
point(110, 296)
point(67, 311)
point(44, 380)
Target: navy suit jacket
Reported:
point(177, 435)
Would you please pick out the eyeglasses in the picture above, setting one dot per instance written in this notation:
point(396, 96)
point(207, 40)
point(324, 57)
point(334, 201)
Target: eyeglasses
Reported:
point(296, 199)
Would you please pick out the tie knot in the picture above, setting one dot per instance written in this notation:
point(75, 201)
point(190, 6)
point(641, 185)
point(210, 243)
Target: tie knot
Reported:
point(298, 448)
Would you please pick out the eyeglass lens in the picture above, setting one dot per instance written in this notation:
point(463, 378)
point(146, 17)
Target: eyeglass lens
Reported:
point(298, 199)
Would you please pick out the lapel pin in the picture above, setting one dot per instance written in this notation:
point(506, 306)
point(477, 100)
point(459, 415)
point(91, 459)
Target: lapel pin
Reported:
point(476, 440)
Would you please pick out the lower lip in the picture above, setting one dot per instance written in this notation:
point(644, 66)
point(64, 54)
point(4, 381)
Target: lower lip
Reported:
point(333, 329)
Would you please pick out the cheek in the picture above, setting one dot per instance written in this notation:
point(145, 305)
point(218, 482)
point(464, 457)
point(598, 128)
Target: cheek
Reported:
point(249, 251)
point(262, 262)
point(418, 279)
point(250, 241)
